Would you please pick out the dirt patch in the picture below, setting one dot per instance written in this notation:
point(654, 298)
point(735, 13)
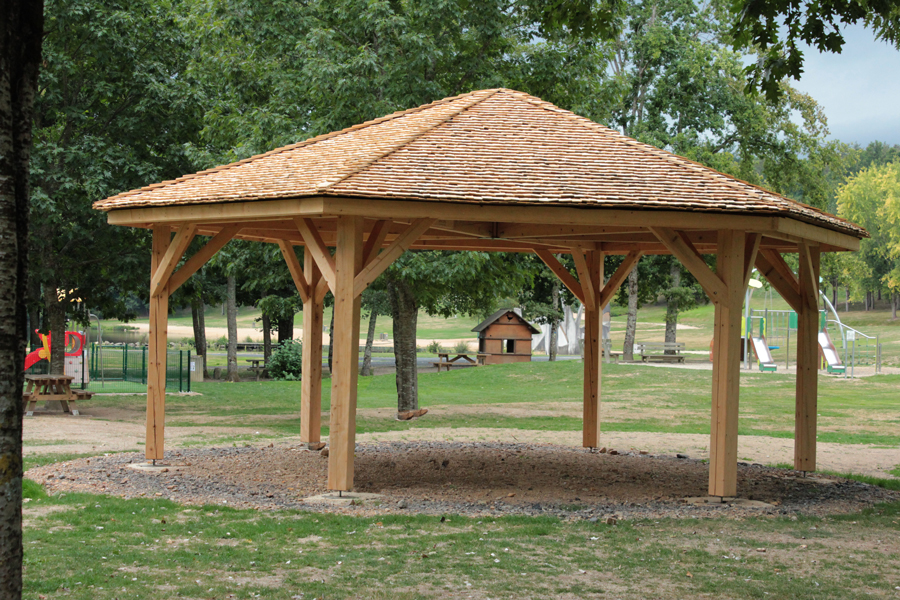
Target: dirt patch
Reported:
point(471, 478)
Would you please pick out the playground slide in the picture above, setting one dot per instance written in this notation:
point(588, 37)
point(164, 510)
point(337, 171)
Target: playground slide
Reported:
point(830, 353)
point(761, 348)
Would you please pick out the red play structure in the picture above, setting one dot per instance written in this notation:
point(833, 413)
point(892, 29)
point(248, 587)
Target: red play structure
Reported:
point(74, 346)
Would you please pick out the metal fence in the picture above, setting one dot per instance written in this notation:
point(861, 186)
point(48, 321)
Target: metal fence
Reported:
point(119, 368)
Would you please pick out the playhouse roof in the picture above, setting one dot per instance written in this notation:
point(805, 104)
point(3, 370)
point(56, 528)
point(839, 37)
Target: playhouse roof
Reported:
point(496, 316)
point(498, 147)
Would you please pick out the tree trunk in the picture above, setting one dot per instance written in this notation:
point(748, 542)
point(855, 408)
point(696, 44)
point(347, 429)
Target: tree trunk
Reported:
point(894, 298)
point(330, 339)
point(847, 301)
point(405, 312)
point(631, 323)
point(370, 339)
point(21, 31)
point(56, 324)
point(879, 297)
point(231, 303)
point(286, 328)
point(198, 318)
point(267, 337)
point(553, 350)
point(672, 307)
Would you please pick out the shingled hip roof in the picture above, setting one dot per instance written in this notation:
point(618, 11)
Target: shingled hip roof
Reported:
point(489, 147)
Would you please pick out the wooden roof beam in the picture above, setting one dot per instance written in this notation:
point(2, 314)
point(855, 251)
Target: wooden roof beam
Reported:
point(784, 284)
point(196, 262)
point(293, 265)
point(618, 278)
point(170, 259)
point(586, 278)
point(381, 262)
point(684, 251)
point(560, 271)
point(315, 246)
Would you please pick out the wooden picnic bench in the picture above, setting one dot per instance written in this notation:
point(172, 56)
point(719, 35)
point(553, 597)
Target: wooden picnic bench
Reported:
point(52, 388)
point(255, 365)
point(445, 362)
point(661, 351)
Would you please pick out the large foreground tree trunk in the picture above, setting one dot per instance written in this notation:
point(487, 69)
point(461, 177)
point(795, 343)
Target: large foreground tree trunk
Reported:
point(672, 307)
point(405, 312)
point(366, 370)
point(231, 303)
point(631, 323)
point(21, 31)
point(198, 318)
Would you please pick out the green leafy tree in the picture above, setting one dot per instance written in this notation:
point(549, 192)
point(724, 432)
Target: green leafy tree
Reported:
point(872, 199)
point(113, 75)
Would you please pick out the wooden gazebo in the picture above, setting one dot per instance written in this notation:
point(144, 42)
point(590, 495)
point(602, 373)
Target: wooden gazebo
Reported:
point(492, 170)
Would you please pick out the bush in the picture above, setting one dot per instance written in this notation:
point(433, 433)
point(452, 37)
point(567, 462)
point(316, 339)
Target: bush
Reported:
point(434, 347)
point(286, 361)
point(461, 347)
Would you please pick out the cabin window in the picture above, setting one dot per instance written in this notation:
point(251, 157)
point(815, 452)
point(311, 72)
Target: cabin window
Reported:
point(481, 345)
point(511, 346)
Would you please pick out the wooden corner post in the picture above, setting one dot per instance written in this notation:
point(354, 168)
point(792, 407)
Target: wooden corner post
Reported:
point(807, 358)
point(345, 356)
point(311, 382)
point(592, 282)
point(156, 356)
point(723, 442)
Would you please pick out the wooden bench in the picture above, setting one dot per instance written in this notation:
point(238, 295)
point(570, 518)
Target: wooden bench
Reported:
point(661, 351)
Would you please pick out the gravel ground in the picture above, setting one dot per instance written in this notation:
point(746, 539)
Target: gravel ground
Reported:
point(467, 478)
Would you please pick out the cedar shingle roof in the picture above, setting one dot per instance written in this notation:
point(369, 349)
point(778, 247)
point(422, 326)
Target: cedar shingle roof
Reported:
point(494, 317)
point(490, 147)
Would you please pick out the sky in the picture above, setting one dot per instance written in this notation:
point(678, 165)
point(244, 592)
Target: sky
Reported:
point(859, 88)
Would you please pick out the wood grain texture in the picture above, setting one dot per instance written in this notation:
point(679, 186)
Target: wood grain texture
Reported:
point(396, 248)
point(560, 271)
point(806, 400)
point(293, 265)
point(170, 259)
point(618, 278)
point(788, 288)
point(684, 251)
point(315, 246)
point(156, 353)
point(311, 381)
point(726, 366)
point(196, 262)
point(593, 318)
point(345, 355)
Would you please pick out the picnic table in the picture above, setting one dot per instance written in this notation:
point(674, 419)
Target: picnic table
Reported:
point(445, 362)
point(52, 388)
point(255, 362)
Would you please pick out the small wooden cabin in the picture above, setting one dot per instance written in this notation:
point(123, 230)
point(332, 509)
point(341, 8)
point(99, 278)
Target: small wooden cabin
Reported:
point(505, 337)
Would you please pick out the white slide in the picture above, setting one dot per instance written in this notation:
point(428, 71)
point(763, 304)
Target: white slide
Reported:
point(761, 348)
point(830, 353)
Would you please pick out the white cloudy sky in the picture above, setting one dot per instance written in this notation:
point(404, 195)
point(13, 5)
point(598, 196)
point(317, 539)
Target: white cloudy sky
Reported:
point(859, 88)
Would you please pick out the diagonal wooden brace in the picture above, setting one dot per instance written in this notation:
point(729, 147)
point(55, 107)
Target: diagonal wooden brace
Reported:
point(618, 278)
point(560, 271)
point(196, 262)
point(684, 251)
point(173, 254)
point(293, 265)
point(316, 247)
point(382, 261)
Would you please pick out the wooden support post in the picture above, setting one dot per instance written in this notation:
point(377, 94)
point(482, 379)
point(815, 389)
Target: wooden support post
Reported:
point(807, 358)
point(345, 356)
point(311, 380)
point(156, 356)
point(723, 442)
point(593, 330)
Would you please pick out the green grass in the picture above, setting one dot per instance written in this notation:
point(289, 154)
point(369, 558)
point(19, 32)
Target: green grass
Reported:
point(156, 549)
point(636, 399)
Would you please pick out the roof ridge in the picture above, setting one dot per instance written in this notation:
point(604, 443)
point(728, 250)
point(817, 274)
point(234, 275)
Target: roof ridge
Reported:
point(296, 145)
point(365, 164)
point(671, 157)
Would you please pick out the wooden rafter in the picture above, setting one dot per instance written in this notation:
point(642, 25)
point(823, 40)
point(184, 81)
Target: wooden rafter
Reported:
point(318, 249)
point(690, 258)
point(560, 271)
point(293, 265)
point(196, 262)
point(375, 241)
point(777, 261)
point(751, 248)
point(788, 288)
point(586, 279)
point(173, 254)
point(381, 262)
point(618, 278)
point(811, 271)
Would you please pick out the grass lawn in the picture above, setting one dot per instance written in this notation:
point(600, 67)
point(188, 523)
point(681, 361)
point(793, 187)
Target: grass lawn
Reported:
point(635, 398)
point(153, 548)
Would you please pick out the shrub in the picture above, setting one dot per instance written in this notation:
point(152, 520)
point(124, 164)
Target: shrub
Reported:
point(248, 339)
point(286, 361)
point(222, 341)
point(434, 347)
point(461, 347)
